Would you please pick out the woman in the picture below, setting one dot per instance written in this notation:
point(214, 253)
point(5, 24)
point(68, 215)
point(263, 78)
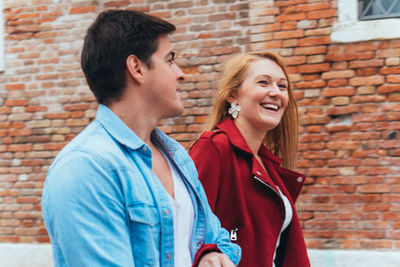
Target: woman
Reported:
point(252, 131)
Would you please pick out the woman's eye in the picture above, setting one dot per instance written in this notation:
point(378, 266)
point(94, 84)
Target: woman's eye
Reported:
point(283, 86)
point(262, 82)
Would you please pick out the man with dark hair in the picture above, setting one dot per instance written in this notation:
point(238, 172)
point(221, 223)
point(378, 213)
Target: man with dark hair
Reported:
point(122, 193)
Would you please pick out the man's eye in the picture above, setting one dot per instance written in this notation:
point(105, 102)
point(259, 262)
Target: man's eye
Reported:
point(171, 60)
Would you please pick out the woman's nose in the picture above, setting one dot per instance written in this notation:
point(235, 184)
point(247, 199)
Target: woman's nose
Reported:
point(274, 90)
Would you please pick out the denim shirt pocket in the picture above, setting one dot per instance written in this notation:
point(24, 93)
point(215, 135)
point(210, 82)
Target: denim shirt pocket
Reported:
point(144, 225)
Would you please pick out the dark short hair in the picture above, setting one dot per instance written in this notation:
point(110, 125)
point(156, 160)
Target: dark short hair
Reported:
point(113, 36)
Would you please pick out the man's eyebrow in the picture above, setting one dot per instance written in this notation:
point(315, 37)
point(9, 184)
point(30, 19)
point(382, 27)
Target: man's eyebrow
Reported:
point(170, 55)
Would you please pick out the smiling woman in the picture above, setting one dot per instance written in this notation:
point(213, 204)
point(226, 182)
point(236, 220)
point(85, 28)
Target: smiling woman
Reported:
point(239, 164)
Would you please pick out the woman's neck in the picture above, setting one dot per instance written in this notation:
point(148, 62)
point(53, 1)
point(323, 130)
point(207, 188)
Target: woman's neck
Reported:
point(253, 137)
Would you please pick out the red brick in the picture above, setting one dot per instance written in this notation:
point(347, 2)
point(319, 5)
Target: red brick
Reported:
point(340, 91)
point(388, 88)
point(371, 80)
point(19, 132)
point(19, 86)
point(312, 84)
point(28, 199)
point(312, 6)
point(290, 17)
point(393, 78)
point(74, 107)
point(367, 71)
point(225, 50)
point(343, 145)
point(288, 34)
point(318, 155)
point(338, 74)
point(371, 188)
point(321, 14)
point(219, 17)
point(340, 56)
point(313, 102)
point(363, 46)
point(365, 198)
point(294, 60)
point(366, 55)
point(266, 45)
point(16, 102)
point(63, 115)
point(119, 3)
point(367, 99)
point(390, 70)
point(290, 26)
point(314, 68)
point(338, 128)
point(384, 53)
point(312, 41)
point(312, 50)
point(366, 63)
point(35, 108)
point(80, 10)
point(20, 147)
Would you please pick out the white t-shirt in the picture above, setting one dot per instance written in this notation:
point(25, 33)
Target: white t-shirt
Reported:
point(183, 213)
point(286, 221)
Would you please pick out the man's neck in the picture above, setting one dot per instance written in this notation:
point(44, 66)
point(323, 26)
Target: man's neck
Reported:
point(141, 121)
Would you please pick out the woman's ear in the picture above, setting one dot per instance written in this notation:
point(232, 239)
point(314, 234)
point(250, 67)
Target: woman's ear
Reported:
point(230, 98)
point(134, 67)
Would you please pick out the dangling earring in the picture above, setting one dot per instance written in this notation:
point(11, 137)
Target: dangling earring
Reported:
point(234, 109)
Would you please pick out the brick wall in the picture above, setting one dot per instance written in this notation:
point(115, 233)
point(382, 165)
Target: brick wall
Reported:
point(348, 96)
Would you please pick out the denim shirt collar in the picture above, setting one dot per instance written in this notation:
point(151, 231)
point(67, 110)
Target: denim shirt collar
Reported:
point(117, 128)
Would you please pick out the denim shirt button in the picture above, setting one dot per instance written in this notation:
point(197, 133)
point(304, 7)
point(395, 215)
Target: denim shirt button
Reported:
point(168, 256)
point(199, 244)
point(166, 212)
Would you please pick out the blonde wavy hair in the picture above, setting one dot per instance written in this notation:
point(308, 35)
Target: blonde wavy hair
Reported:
point(282, 140)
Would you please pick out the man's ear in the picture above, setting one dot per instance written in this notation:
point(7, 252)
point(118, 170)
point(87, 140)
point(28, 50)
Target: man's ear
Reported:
point(134, 67)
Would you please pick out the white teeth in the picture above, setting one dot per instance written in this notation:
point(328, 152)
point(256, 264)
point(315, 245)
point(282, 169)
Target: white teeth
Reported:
point(270, 106)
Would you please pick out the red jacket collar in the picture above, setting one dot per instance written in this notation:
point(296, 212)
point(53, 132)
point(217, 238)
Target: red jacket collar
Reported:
point(237, 140)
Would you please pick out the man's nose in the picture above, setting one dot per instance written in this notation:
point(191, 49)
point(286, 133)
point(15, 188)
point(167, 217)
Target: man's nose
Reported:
point(180, 76)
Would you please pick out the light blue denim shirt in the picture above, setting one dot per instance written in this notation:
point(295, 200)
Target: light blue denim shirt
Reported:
point(103, 205)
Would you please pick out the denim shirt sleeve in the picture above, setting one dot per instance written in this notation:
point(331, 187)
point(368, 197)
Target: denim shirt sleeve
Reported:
point(216, 234)
point(83, 207)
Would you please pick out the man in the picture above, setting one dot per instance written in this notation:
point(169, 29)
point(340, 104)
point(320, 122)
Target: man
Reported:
point(122, 193)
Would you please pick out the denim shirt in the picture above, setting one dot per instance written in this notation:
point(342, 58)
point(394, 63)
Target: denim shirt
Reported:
point(103, 205)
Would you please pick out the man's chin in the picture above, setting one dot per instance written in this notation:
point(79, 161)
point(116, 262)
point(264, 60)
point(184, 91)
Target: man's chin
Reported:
point(175, 113)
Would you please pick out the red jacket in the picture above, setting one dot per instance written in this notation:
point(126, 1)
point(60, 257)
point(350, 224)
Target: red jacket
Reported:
point(245, 197)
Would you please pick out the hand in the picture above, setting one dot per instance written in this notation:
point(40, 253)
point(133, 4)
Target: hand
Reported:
point(215, 259)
